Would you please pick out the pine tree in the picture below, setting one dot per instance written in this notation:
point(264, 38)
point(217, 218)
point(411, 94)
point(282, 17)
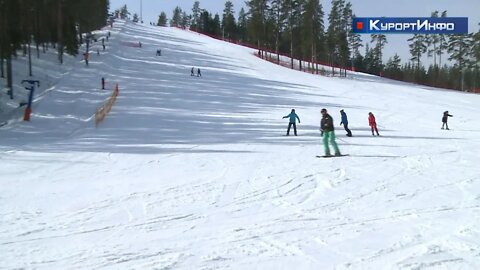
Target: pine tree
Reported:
point(476, 60)
point(354, 40)
point(216, 27)
point(135, 18)
point(313, 29)
point(124, 13)
point(185, 20)
point(337, 36)
point(460, 53)
point(196, 12)
point(228, 21)
point(380, 41)
point(393, 68)
point(275, 14)
point(256, 22)
point(443, 44)
point(177, 17)
point(291, 11)
point(242, 25)
point(162, 19)
point(417, 48)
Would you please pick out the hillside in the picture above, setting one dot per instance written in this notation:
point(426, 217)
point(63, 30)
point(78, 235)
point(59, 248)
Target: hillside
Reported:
point(194, 172)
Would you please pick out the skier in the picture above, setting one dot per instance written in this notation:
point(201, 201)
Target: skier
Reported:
point(293, 119)
point(192, 73)
point(85, 57)
point(345, 123)
point(328, 132)
point(372, 123)
point(445, 119)
point(199, 74)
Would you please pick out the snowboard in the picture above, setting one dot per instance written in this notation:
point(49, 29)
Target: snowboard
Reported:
point(332, 156)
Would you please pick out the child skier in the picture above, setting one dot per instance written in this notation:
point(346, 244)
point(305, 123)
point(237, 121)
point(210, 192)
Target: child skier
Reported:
point(372, 123)
point(292, 122)
point(328, 133)
point(345, 123)
point(445, 119)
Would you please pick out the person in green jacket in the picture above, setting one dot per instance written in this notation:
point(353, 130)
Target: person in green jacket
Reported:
point(328, 132)
point(293, 119)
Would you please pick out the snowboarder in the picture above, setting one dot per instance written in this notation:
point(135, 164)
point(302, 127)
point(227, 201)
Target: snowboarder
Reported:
point(199, 74)
point(328, 132)
point(345, 123)
point(192, 73)
point(445, 119)
point(372, 123)
point(293, 119)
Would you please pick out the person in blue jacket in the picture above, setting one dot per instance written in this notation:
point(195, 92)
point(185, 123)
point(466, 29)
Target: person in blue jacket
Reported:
point(293, 119)
point(345, 123)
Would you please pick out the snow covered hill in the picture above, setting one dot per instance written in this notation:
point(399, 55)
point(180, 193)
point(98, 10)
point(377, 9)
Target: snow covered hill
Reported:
point(194, 172)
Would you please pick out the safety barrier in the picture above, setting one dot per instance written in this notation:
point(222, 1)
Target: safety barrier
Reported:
point(102, 112)
point(263, 52)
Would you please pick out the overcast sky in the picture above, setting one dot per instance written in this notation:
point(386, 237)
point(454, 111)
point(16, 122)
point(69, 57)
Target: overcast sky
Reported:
point(362, 8)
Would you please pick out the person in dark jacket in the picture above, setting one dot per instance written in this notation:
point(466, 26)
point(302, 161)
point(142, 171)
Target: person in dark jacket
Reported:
point(372, 123)
point(328, 132)
point(345, 123)
point(292, 122)
point(199, 74)
point(445, 119)
point(192, 72)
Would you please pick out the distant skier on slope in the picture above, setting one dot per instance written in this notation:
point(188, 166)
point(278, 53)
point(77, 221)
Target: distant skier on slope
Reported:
point(372, 123)
point(345, 123)
point(292, 122)
point(199, 74)
point(328, 132)
point(445, 119)
point(192, 73)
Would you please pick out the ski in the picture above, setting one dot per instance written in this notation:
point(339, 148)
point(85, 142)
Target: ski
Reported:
point(332, 156)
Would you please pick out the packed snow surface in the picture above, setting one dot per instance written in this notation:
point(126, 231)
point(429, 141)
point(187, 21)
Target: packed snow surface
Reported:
point(192, 172)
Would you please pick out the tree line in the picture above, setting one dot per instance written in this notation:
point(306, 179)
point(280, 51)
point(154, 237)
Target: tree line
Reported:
point(297, 28)
point(44, 23)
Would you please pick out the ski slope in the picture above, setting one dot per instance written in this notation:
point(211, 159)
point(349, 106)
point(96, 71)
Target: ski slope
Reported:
point(196, 173)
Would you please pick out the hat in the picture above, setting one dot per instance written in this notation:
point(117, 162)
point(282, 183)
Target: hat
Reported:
point(323, 110)
point(341, 110)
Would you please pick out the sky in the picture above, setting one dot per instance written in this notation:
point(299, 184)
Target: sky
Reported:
point(362, 8)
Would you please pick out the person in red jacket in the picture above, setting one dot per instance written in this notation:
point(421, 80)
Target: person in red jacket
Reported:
point(372, 123)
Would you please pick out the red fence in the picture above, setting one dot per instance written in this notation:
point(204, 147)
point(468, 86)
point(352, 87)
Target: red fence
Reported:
point(102, 112)
point(307, 66)
point(263, 53)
